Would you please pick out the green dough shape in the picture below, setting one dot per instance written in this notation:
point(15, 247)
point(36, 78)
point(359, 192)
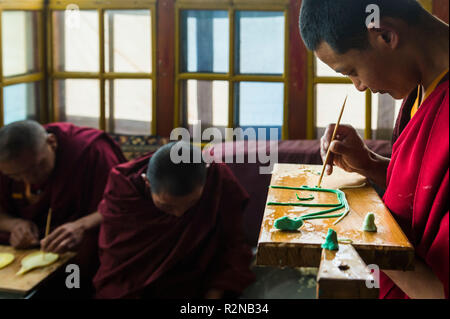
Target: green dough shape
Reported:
point(286, 223)
point(318, 215)
point(369, 223)
point(331, 241)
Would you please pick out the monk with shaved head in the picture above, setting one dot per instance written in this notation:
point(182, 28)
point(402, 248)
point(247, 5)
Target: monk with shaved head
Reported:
point(172, 228)
point(60, 167)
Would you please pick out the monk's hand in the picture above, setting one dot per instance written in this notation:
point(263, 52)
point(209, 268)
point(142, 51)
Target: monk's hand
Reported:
point(214, 294)
point(64, 238)
point(24, 234)
point(348, 150)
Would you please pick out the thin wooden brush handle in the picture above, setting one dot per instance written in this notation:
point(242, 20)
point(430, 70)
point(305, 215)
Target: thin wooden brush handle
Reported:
point(332, 139)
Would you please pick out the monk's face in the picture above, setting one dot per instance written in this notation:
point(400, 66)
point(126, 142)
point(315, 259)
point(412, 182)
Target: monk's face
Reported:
point(33, 167)
point(383, 67)
point(176, 205)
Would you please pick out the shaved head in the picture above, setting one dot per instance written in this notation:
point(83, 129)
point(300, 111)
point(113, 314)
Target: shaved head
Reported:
point(27, 152)
point(19, 137)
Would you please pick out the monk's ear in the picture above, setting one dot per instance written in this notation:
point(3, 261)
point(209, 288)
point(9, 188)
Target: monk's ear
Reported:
point(144, 177)
point(52, 141)
point(383, 36)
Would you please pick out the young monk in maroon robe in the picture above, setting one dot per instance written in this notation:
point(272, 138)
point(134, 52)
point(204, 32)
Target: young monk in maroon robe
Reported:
point(58, 166)
point(405, 54)
point(172, 229)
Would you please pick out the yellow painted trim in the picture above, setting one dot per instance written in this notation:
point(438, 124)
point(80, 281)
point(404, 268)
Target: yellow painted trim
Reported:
point(25, 78)
point(285, 127)
point(50, 61)
point(368, 126)
point(102, 4)
point(101, 32)
point(310, 98)
point(22, 4)
point(427, 5)
point(332, 80)
point(254, 3)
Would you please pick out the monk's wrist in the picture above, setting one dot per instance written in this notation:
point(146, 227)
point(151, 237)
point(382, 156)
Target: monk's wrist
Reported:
point(376, 169)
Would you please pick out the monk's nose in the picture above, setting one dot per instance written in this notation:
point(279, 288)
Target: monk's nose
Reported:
point(359, 86)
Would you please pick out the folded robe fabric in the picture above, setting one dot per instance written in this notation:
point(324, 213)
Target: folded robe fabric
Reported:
point(418, 184)
point(145, 252)
point(84, 158)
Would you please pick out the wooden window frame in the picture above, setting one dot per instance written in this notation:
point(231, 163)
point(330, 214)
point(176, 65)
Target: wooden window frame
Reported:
point(102, 75)
point(231, 6)
point(38, 77)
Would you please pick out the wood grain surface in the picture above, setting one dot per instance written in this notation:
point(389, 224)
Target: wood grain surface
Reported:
point(388, 248)
point(10, 282)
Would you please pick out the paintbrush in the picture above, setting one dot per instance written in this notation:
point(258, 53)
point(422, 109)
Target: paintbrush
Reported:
point(47, 227)
point(332, 139)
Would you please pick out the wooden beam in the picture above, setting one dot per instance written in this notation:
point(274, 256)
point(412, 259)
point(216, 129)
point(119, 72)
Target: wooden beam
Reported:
point(298, 61)
point(441, 9)
point(344, 275)
point(165, 68)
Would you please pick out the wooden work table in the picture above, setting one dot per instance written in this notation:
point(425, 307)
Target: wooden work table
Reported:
point(388, 248)
point(22, 286)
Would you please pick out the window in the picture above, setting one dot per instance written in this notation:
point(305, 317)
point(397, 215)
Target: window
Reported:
point(103, 64)
point(231, 65)
point(21, 62)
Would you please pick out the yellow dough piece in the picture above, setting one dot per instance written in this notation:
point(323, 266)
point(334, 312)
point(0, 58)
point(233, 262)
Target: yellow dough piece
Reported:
point(6, 259)
point(37, 259)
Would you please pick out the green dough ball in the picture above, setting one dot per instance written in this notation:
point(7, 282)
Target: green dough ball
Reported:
point(369, 223)
point(331, 241)
point(286, 223)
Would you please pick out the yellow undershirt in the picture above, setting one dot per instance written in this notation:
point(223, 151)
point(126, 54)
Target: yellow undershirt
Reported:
point(430, 90)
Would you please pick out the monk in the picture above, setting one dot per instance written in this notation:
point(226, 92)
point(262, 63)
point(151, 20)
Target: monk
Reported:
point(58, 166)
point(406, 54)
point(172, 229)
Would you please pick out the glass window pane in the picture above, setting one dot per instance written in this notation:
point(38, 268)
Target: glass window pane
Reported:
point(129, 106)
point(324, 70)
point(19, 42)
point(78, 101)
point(76, 41)
point(260, 105)
point(205, 101)
point(329, 100)
point(385, 110)
point(260, 42)
point(21, 102)
point(128, 44)
point(204, 41)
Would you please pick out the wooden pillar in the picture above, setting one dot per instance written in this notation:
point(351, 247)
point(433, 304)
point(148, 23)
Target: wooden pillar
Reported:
point(166, 67)
point(297, 102)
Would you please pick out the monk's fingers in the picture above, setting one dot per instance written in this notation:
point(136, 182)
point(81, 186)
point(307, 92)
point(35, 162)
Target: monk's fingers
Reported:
point(54, 242)
point(64, 246)
point(53, 235)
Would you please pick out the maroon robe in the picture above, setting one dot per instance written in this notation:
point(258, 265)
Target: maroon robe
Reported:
point(145, 252)
point(84, 158)
point(418, 184)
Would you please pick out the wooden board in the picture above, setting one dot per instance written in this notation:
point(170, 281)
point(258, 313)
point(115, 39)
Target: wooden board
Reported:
point(9, 282)
point(343, 275)
point(388, 248)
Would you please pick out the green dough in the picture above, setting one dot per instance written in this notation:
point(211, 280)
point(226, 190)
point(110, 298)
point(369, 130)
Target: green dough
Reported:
point(369, 223)
point(283, 224)
point(286, 223)
point(331, 242)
